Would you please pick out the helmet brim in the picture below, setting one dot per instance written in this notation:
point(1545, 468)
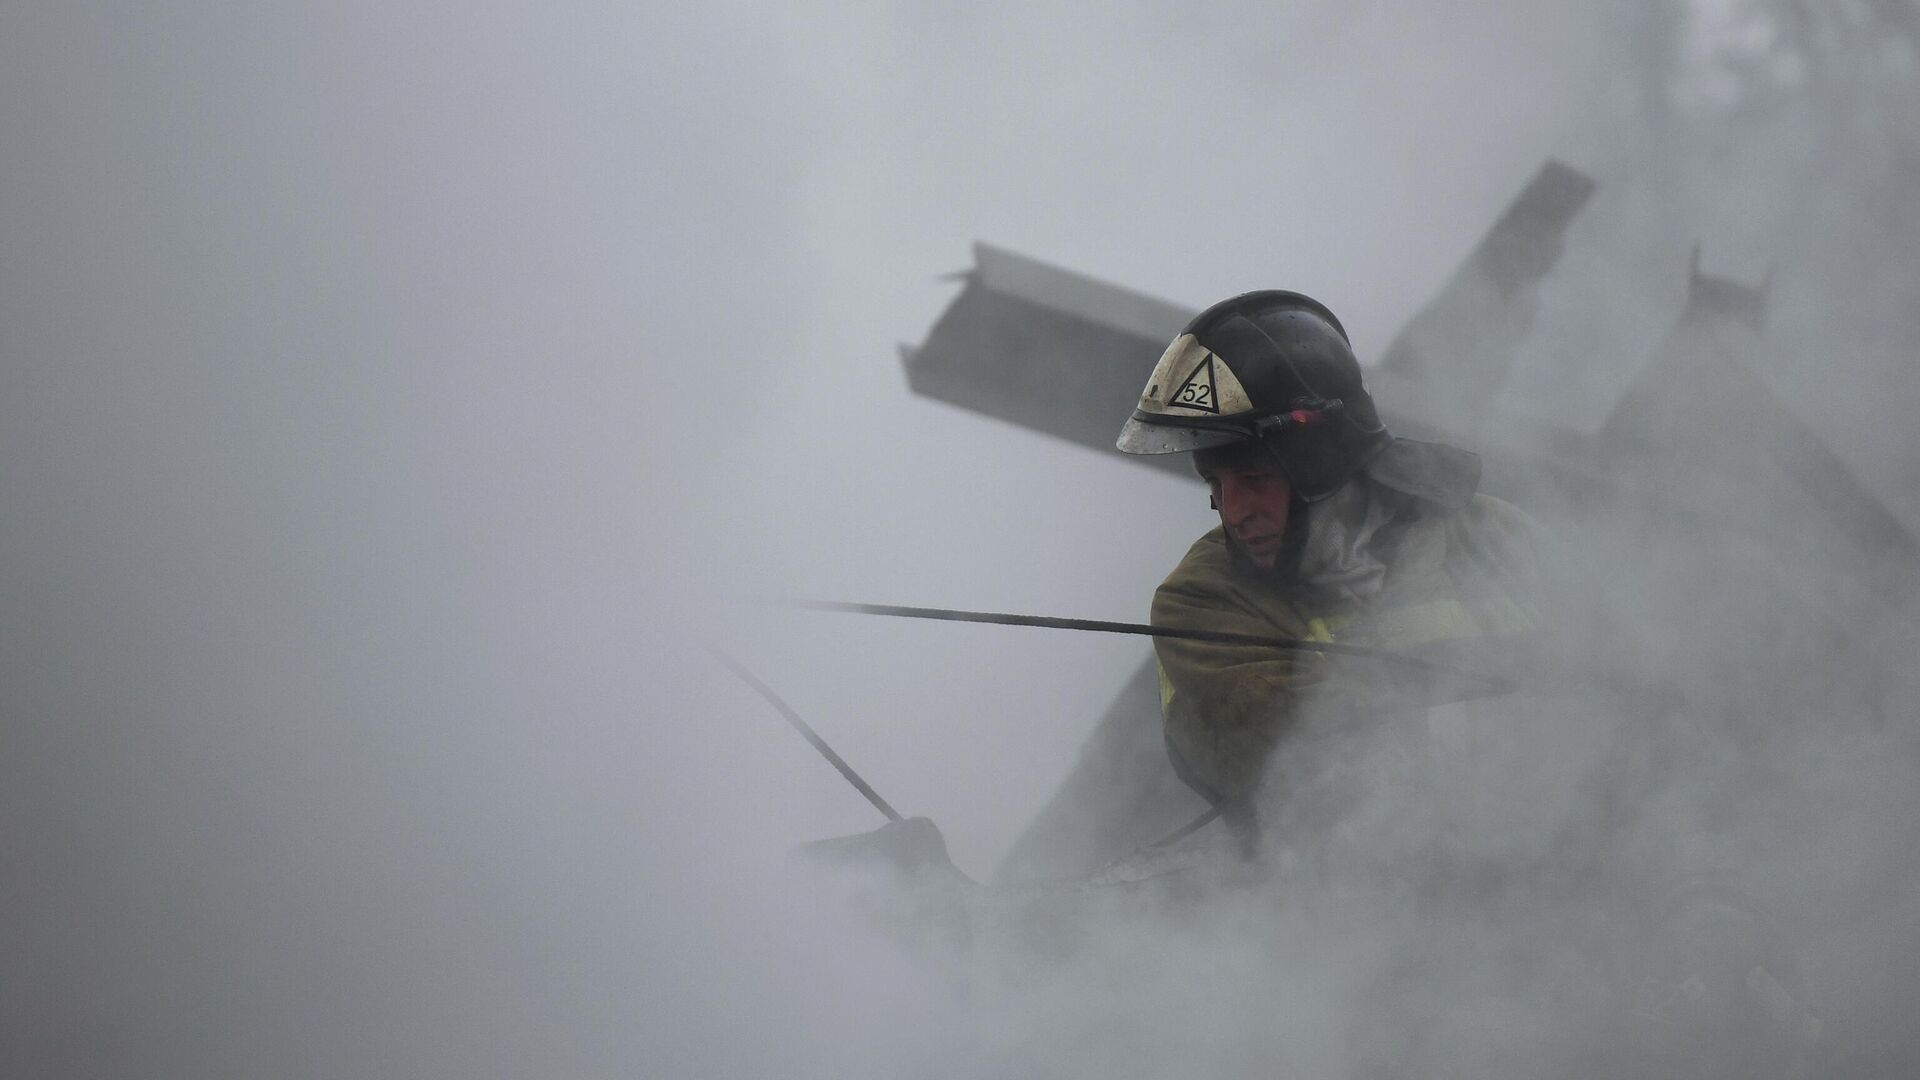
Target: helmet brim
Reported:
point(1140, 437)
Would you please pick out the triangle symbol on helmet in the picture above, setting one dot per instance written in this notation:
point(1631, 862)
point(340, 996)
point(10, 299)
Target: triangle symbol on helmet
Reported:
point(1197, 391)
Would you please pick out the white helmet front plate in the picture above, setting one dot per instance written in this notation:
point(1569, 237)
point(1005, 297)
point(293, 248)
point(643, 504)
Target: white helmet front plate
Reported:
point(1192, 381)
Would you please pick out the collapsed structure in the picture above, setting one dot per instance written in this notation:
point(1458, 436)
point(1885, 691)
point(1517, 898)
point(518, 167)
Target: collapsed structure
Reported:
point(1698, 447)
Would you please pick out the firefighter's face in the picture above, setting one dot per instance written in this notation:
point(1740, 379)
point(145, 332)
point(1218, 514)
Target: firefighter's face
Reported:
point(1253, 501)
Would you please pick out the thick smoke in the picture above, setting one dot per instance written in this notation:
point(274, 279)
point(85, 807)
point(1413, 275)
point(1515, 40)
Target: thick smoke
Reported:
point(1548, 885)
point(394, 399)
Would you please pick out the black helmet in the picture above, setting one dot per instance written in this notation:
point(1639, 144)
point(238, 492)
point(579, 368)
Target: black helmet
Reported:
point(1270, 367)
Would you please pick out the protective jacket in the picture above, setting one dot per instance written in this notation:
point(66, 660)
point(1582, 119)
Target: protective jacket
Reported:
point(1452, 576)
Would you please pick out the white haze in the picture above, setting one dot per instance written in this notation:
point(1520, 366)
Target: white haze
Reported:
point(394, 397)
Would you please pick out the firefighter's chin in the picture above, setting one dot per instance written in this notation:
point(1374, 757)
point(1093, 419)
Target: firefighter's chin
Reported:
point(1261, 551)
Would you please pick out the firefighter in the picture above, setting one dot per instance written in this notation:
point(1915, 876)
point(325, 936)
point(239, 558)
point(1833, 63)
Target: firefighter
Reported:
point(1331, 530)
point(1334, 530)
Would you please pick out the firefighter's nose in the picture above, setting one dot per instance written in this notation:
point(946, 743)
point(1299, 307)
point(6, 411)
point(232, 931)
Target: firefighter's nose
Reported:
point(1232, 502)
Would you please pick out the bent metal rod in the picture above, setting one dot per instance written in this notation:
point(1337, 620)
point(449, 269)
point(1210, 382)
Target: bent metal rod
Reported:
point(1100, 626)
point(1493, 683)
point(806, 732)
point(813, 738)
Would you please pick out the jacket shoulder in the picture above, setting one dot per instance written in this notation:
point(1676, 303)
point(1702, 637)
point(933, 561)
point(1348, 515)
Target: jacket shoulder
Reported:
point(1496, 512)
point(1206, 568)
point(1209, 589)
point(1491, 540)
point(1495, 523)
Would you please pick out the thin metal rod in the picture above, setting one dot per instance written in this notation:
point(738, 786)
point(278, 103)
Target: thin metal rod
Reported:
point(1100, 626)
point(1186, 830)
point(806, 732)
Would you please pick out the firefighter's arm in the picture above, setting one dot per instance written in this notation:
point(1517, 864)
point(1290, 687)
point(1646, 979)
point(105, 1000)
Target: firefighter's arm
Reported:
point(1226, 706)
